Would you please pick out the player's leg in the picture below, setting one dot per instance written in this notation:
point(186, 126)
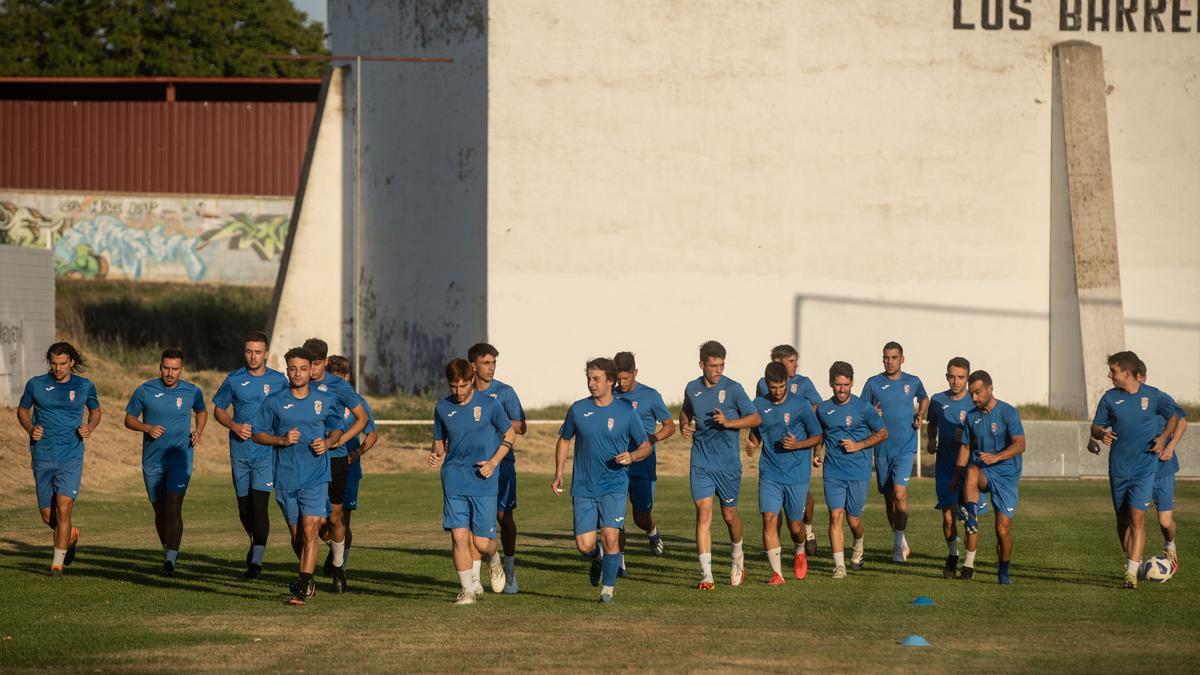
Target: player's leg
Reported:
point(856, 503)
point(971, 488)
point(900, 549)
point(883, 481)
point(506, 504)
point(241, 469)
point(641, 499)
point(837, 541)
point(1164, 504)
point(950, 533)
point(794, 504)
point(585, 517)
point(810, 538)
point(1004, 546)
point(335, 527)
point(461, 556)
point(728, 487)
point(612, 510)
point(703, 489)
point(1135, 541)
point(172, 529)
point(770, 501)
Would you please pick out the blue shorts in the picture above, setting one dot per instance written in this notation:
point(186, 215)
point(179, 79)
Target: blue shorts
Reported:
point(724, 484)
point(593, 513)
point(252, 474)
point(1003, 490)
point(893, 469)
point(641, 494)
point(170, 476)
point(774, 496)
point(849, 495)
point(1164, 492)
point(506, 499)
point(310, 501)
point(350, 501)
point(1133, 492)
point(949, 499)
point(61, 477)
point(477, 512)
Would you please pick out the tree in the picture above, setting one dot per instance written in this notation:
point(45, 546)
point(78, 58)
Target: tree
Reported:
point(219, 38)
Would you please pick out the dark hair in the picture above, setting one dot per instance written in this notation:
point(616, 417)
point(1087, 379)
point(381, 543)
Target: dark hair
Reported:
point(606, 365)
point(338, 365)
point(67, 349)
point(258, 336)
point(299, 353)
point(625, 362)
point(894, 345)
point(172, 353)
point(317, 348)
point(775, 372)
point(712, 350)
point(783, 351)
point(980, 376)
point(840, 369)
point(458, 370)
point(481, 349)
point(1141, 368)
point(959, 362)
point(1127, 361)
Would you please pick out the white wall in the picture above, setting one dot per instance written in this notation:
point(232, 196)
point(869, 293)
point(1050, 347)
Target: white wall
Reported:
point(26, 317)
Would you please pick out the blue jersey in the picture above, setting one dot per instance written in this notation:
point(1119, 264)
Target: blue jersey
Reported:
point(601, 433)
point(792, 416)
point(1134, 418)
point(948, 415)
point(246, 392)
point(651, 410)
point(506, 396)
point(895, 397)
point(168, 407)
point(472, 432)
point(992, 432)
point(344, 397)
point(296, 466)
point(713, 446)
point(798, 385)
point(855, 420)
point(58, 409)
point(1171, 467)
point(352, 444)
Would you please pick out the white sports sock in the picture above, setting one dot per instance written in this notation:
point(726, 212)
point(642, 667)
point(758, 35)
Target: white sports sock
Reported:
point(653, 532)
point(858, 543)
point(338, 548)
point(798, 549)
point(737, 549)
point(898, 540)
point(172, 556)
point(256, 555)
point(475, 571)
point(606, 589)
point(60, 554)
point(622, 562)
point(952, 546)
point(706, 566)
point(494, 559)
point(1131, 566)
point(1169, 546)
point(464, 579)
point(808, 531)
point(773, 556)
point(839, 558)
point(969, 561)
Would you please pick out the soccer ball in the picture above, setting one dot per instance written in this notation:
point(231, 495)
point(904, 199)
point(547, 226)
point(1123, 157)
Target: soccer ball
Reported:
point(1158, 569)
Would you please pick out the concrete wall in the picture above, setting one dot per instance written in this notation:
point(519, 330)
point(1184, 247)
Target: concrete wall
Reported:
point(26, 317)
point(151, 237)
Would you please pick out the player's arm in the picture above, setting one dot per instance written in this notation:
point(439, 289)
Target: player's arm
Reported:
point(960, 464)
point(506, 443)
point(201, 422)
point(560, 462)
point(1160, 441)
point(1016, 447)
point(93, 421)
point(25, 419)
point(1100, 423)
point(222, 416)
point(791, 442)
point(368, 442)
point(686, 418)
point(360, 423)
point(868, 442)
point(931, 432)
point(665, 431)
point(519, 427)
point(753, 440)
point(749, 421)
point(1169, 451)
point(437, 450)
point(134, 424)
point(922, 412)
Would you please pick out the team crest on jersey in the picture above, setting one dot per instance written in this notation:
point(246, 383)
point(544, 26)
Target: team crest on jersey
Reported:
point(477, 411)
point(322, 387)
point(906, 390)
point(71, 395)
point(962, 415)
point(610, 424)
point(721, 396)
point(787, 418)
point(993, 427)
point(849, 420)
point(317, 407)
point(795, 387)
point(1145, 402)
point(266, 390)
point(345, 413)
point(634, 404)
point(179, 403)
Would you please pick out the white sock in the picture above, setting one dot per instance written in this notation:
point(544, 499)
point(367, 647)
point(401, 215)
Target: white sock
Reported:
point(60, 554)
point(475, 572)
point(606, 589)
point(839, 558)
point(898, 540)
point(464, 579)
point(622, 561)
point(256, 555)
point(494, 559)
point(798, 550)
point(706, 566)
point(653, 532)
point(1169, 546)
point(952, 546)
point(773, 556)
point(339, 552)
point(1131, 566)
point(969, 561)
point(858, 544)
point(737, 549)
point(171, 556)
point(510, 562)
point(808, 532)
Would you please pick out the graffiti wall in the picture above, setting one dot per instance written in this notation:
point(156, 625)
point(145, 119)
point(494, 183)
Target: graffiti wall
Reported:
point(151, 237)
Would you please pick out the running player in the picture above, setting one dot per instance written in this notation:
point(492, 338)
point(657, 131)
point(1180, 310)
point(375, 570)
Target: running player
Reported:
point(471, 435)
point(947, 412)
point(253, 465)
point(165, 406)
point(609, 437)
point(652, 411)
point(788, 432)
point(482, 357)
point(715, 409)
point(989, 459)
point(851, 428)
point(1164, 477)
point(355, 449)
point(797, 385)
point(51, 412)
point(301, 423)
point(893, 392)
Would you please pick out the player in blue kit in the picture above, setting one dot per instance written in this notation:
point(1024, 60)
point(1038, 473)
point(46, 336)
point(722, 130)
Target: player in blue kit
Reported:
point(787, 433)
point(471, 435)
point(989, 459)
point(340, 366)
point(482, 357)
point(301, 423)
point(165, 406)
point(715, 409)
point(1127, 420)
point(893, 392)
point(252, 465)
point(609, 437)
point(51, 411)
point(851, 427)
point(643, 475)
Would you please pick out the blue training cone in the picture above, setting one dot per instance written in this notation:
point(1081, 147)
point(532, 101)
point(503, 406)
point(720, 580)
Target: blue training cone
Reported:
point(914, 641)
point(922, 601)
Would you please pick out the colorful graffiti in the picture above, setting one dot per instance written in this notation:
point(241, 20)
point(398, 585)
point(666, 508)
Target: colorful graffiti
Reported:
point(160, 238)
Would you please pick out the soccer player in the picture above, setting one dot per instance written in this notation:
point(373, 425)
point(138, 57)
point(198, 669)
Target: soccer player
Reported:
point(609, 437)
point(851, 427)
point(253, 465)
point(482, 357)
point(1164, 477)
point(1127, 420)
point(893, 392)
point(301, 423)
point(165, 406)
point(715, 409)
point(797, 385)
point(788, 432)
point(339, 462)
point(989, 459)
point(947, 412)
point(51, 412)
point(355, 449)
point(652, 411)
point(471, 435)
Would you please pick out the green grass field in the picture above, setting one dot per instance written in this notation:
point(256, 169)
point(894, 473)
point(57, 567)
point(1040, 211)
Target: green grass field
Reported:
point(1065, 612)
